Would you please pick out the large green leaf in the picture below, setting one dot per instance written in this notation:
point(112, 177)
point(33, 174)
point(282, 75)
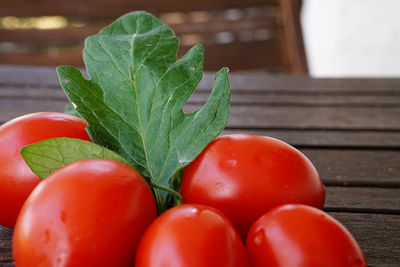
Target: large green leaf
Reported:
point(133, 101)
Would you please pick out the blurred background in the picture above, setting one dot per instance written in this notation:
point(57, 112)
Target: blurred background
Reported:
point(320, 38)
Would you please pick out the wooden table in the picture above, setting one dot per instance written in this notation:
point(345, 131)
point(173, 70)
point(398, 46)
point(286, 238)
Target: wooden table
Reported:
point(349, 128)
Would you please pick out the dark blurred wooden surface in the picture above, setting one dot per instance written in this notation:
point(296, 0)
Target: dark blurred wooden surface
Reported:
point(349, 128)
point(243, 35)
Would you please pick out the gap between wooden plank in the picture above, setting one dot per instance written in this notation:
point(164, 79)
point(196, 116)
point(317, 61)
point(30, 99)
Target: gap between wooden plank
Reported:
point(363, 210)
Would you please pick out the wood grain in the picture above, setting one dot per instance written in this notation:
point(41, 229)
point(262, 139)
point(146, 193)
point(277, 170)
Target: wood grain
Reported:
point(258, 117)
point(356, 167)
point(363, 199)
point(243, 82)
point(257, 98)
point(5, 245)
point(327, 118)
point(348, 128)
point(377, 234)
point(329, 138)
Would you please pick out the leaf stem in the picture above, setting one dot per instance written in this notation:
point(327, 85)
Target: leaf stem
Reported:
point(177, 197)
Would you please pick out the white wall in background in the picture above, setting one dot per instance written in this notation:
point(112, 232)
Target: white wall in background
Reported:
point(352, 38)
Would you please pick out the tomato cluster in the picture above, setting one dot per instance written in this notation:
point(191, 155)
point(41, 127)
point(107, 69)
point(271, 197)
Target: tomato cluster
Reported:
point(249, 200)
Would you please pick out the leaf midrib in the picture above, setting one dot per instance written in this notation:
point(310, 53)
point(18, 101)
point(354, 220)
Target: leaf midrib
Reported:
point(134, 84)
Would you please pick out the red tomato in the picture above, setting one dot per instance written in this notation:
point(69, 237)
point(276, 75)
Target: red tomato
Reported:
point(245, 175)
point(16, 178)
point(191, 235)
point(299, 235)
point(89, 213)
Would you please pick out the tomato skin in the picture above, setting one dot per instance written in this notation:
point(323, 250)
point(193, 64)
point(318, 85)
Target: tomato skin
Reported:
point(300, 235)
point(191, 235)
point(245, 175)
point(88, 213)
point(16, 178)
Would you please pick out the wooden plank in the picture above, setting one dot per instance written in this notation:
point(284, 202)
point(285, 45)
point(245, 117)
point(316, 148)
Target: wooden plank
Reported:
point(377, 234)
point(294, 117)
point(5, 244)
point(221, 24)
point(58, 36)
point(249, 82)
point(329, 139)
point(261, 117)
point(106, 9)
point(259, 81)
point(336, 166)
point(368, 139)
point(380, 245)
point(63, 46)
point(369, 206)
point(27, 92)
point(269, 99)
point(265, 55)
point(363, 199)
point(78, 34)
point(28, 75)
point(356, 167)
point(308, 138)
point(11, 109)
point(50, 56)
point(298, 99)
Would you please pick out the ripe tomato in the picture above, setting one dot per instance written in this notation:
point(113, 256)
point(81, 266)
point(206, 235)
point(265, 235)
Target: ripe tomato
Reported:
point(191, 235)
point(245, 175)
point(299, 235)
point(88, 213)
point(16, 178)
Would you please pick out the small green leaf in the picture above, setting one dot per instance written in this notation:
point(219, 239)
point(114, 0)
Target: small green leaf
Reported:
point(133, 101)
point(49, 155)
